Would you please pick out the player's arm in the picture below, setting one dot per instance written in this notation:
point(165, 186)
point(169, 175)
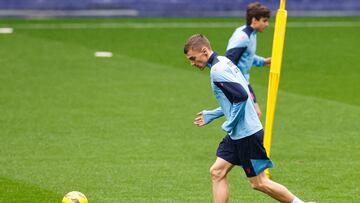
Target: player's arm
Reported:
point(235, 54)
point(210, 115)
point(236, 94)
point(206, 116)
point(261, 61)
point(237, 45)
point(252, 94)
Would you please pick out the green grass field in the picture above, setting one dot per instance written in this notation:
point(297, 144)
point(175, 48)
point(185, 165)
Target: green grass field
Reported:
point(120, 129)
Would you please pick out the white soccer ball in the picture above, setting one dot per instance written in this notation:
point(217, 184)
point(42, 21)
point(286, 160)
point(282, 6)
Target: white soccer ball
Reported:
point(74, 197)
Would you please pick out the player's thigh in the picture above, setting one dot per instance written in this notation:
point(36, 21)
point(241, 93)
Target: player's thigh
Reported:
point(221, 165)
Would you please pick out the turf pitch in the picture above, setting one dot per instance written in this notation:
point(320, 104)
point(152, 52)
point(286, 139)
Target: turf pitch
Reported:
point(120, 129)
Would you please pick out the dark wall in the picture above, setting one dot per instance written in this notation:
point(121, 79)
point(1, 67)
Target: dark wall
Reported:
point(180, 7)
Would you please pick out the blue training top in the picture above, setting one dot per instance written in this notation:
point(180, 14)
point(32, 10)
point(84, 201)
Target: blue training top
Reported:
point(232, 92)
point(241, 50)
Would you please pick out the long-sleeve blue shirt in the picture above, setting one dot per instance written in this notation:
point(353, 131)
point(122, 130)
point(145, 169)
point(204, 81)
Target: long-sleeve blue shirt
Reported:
point(232, 92)
point(241, 50)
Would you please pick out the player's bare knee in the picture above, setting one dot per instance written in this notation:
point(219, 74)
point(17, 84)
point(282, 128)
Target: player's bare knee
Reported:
point(217, 174)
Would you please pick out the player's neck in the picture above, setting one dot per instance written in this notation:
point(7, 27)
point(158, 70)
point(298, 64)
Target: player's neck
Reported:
point(253, 27)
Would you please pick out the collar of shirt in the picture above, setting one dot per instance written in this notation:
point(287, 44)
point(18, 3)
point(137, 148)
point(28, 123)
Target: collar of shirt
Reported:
point(211, 59)
point(249, 30)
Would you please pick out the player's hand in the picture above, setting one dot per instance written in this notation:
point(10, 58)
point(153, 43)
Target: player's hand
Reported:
point(267, 62)
point(199, 120)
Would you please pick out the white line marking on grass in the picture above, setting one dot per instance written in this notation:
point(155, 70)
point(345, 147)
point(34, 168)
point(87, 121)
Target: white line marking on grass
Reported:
point(125, 25)
point(6, 30)
point(161, 25)
point(106, 54)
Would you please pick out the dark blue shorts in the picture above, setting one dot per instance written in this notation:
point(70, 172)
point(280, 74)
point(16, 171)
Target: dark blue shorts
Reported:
point(247, 152)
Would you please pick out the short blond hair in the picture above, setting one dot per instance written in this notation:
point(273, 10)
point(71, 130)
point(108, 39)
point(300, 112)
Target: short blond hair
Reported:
point(196, 42)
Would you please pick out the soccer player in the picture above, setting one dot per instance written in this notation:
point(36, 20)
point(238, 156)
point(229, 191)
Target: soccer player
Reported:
point(241, 50)
point(243, 144)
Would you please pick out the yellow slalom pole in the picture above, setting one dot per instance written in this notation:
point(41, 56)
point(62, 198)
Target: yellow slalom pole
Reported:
point(274, 76)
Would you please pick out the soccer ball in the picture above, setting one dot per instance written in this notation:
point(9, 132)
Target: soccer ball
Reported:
point(74, 197)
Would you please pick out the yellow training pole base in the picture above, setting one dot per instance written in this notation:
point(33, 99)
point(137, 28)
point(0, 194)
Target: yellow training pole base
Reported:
point(267, 173)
